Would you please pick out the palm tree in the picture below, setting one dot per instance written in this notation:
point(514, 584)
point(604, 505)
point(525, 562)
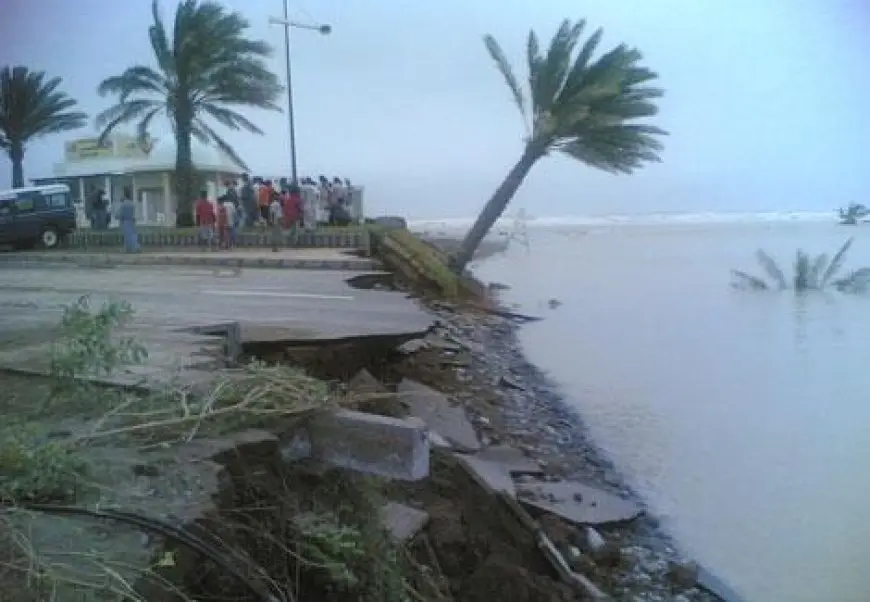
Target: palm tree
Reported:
point(810, 274)
point(577, 105)
point(31, 106)
point(206, 70)
point(853, 213)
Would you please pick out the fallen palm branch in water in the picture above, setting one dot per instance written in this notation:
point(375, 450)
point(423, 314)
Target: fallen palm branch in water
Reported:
point(810, 274)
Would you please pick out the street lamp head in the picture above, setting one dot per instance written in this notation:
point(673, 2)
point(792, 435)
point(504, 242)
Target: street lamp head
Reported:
point(325, 29)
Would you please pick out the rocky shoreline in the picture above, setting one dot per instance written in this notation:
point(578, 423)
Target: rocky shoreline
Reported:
point(512, 402)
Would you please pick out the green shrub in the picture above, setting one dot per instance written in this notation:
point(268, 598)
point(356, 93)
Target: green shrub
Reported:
point(87, 344)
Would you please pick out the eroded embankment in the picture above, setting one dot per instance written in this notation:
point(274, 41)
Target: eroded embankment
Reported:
point(300, 531)
point(473, 546)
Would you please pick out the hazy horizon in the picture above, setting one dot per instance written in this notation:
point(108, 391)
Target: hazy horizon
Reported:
point(764, 103)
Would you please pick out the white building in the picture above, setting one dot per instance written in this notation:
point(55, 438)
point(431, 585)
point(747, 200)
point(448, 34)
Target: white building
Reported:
point(146, 168)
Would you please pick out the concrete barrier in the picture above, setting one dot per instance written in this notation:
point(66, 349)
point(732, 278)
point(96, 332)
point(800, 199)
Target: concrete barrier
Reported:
point(389, 447)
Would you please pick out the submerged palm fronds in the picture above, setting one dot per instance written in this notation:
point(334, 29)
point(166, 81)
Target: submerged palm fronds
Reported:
point(855, 211)
point(810, 274)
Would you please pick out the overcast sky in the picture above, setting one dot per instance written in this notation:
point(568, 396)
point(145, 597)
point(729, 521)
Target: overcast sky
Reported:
point(766, 104)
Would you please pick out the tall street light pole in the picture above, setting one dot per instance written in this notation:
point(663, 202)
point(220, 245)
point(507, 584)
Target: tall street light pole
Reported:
point(286, 23)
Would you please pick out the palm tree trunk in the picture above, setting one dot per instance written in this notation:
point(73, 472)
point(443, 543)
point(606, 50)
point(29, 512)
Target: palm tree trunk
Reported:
point(185, 178)
point(16, 155)
point(494, 209)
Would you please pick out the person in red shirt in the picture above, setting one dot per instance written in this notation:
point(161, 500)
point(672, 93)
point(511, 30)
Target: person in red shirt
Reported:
point(293, 206)
point(265, 198)
point(205, 219)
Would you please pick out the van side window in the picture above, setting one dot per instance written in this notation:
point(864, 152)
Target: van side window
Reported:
point(6, 206)
point(57, 200)
point(31, 201)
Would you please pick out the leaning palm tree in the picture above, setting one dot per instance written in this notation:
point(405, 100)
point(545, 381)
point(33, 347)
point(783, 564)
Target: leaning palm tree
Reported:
point(810, 274)
point(206, 70)
point(31, 106)
point(579, 105)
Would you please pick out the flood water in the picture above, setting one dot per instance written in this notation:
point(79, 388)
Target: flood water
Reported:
point(743, 418)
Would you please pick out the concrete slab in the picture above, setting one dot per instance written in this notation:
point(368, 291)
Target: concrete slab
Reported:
point(578, 503)
point(512, 459)
point(494, 466)
point(363, 382)
point(403, 522)
point(433, 407)
point(493, 477)
point(389, 447)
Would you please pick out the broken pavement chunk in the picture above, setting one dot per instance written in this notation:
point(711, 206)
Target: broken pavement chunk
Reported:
point(403, 522)
point(364, 382)
point(433, 407)
point(578, 503)
point(413, 346)
point(388, 447)
point(513, 459)
point(494, 466)
point(493, 477)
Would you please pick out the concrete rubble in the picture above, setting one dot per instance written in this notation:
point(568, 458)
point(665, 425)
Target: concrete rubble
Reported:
point(393, 448)
point(432, 407)
point(403, 522)
point(577, 503)
point(363, 382)
point(494, 467)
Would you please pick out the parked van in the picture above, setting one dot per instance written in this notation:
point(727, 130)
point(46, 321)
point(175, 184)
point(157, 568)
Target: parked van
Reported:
point(36, 216)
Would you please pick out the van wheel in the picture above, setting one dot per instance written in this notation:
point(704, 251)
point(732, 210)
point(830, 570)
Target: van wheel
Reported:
point(49, 238)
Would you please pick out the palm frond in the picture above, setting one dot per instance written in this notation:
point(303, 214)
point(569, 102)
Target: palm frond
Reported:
point(555, 66)
point(801, 271)
point(574, 79)
point(770, 268)
point(585, 106)
point(857, 282)
point(124, 112)
point(32, 105)
point(816, 269)
point(160, 42)
point(742, 280)
point(507, 72)
point(836, 263)
point(135, 80)
point(616, 148)
point(222, 144)
point(229, 118)
point(810, 274)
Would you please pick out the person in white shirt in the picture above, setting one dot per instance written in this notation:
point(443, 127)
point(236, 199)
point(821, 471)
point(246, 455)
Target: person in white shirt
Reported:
point(232, 223)
point(276, 216)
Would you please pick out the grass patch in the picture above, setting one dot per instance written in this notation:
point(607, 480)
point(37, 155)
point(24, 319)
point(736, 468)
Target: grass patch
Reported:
point(318, 536)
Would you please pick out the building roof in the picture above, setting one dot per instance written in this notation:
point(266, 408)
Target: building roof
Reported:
point(50, 189)
point(160, 157)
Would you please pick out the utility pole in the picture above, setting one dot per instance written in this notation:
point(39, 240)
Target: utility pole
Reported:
point(287, 24)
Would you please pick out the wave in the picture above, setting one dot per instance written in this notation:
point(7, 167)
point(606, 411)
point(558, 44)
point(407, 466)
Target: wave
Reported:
point(649, 219)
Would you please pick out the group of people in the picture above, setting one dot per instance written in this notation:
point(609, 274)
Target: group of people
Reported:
point(254, 202)
point(278, 207)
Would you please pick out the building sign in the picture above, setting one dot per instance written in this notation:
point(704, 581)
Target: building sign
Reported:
point(113, 147)
point(88, 148)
